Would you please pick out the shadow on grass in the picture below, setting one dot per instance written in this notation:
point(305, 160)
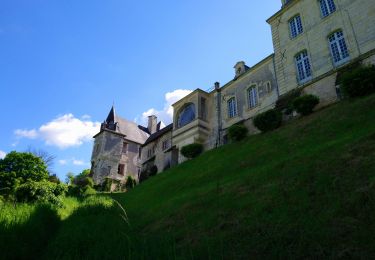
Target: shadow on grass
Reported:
point(28, 239)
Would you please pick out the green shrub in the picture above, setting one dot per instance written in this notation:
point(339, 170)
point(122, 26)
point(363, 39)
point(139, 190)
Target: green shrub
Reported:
point(237, 132)
point(153, 170)
point(305, 104)
point(285, 102)
point(192, 150)
point(88, 191)
point(130, 183)
point(42, 191)
point(359, 81)
point(268, 121)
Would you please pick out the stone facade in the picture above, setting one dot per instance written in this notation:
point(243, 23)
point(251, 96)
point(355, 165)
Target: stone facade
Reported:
point(312, 39)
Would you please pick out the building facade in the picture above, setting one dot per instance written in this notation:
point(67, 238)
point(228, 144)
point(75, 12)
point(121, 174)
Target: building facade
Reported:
point(313, 40)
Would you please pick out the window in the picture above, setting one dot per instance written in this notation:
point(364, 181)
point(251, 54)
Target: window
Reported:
point(139, 151)
point(120, 169)
point(186, 115)
point(268, 87)
point(252, 96)
point(165, 144)
point(327, 7)
point(203, 113)
point(149, 153)
point(338, 47)
point(124, 147)
point(303, 67)
point(232, 108)
point(295, 26)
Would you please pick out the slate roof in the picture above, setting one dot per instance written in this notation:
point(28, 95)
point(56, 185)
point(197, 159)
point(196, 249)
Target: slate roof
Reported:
point(158, 134)
point(131, 130)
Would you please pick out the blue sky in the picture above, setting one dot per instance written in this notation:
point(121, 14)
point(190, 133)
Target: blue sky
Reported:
point(63, 64)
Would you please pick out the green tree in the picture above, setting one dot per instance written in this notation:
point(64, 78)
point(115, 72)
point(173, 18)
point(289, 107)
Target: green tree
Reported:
point(18, 168)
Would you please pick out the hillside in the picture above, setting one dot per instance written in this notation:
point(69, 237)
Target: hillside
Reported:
point(306, 190)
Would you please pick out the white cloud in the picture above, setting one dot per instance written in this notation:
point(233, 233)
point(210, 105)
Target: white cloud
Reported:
point(78, 162)
point(31, 134)
point(166, 114)
point(64, 131)
point(63, 162)
point(2, 154)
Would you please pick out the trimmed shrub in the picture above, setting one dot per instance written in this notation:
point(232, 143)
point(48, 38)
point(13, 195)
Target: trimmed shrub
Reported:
point(192, 150)
point(237, 132)
point(42, 191)
point(305, 104)
point(88, 191)
point(130, 183)
point(285, 102)
point(143, 176)
point(358, 82)
point(268, 121)
point(153, 170)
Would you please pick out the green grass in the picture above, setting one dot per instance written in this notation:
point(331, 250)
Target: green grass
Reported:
point(306, 190)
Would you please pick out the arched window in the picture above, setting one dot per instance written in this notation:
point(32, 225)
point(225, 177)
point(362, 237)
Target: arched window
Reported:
point(252, 96)
point(186, 115)
point(232, 107)
point(303, 67)
point(339, 49)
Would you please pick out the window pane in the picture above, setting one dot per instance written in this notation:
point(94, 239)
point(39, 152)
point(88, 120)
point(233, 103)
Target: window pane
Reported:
point(186, 115)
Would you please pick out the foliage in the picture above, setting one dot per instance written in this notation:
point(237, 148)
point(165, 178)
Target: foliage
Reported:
point(359, 82)
point(18, 168)
point(81, 185)
point(130, 182)
point(88, 191)
point(47, 158)
point(192, 150)
point(305, 104)
point(153, 170)
point(144, 175)
point(268, 121)
point(53, 178)
point(285, 102)
point(41, 191)
point(237, 132)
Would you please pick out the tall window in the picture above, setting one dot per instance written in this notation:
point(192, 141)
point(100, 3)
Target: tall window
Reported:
point(295, 25)
point(327, 7)
point(186, 115)
point(203, 112)
point(124, 147)
point(303, 66)
point(252, 96)
point(165, 144)
point(121, 169)
point(232, 108)
point(338, 47)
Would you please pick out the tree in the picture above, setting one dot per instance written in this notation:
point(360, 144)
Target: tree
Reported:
point(45, 156)
point(18, 168)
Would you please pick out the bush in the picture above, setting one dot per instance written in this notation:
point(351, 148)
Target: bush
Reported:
point(305, 104)
point(42, 191)
point(192, 150)
point(153, 170)
point(143, 176)
point(268, 121)
point(359, 81)
point(285, 102)
point(88, 191)
point(237, 132)
point(130, 182)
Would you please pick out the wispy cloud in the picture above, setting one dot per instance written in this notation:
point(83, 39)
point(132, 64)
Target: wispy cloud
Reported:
point(63, 132)
point(2, 154)
point(74, 161)
point(166, 114)
point(63, 162)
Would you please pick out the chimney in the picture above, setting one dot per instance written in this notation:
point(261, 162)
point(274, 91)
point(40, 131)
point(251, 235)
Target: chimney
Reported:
point(152, 124)
point(217, 85)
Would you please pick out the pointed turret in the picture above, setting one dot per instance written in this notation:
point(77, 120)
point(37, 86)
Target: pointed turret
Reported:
point(111, 116)
point(110, 123)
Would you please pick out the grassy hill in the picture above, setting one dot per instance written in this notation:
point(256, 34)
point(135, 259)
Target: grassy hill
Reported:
point(306, 190)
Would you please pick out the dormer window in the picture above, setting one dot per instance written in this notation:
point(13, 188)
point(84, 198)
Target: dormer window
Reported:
point(240, 68)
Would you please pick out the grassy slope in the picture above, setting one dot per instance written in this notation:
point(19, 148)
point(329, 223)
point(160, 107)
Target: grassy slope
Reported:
point(305, 190)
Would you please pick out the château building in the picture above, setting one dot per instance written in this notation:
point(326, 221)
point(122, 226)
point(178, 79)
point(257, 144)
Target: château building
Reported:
point(313, 41)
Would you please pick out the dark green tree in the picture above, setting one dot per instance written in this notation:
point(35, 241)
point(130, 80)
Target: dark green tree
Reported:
point(18, 168)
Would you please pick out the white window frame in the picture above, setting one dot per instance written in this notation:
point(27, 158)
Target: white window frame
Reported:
point(232, 109)
point(327, 7)
point(338, 47)
point(252, 96)
point(295, 26)
point(303, 67)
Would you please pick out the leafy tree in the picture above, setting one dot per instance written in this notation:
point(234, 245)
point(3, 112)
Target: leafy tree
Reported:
point(44, 155)
point(18, 168)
